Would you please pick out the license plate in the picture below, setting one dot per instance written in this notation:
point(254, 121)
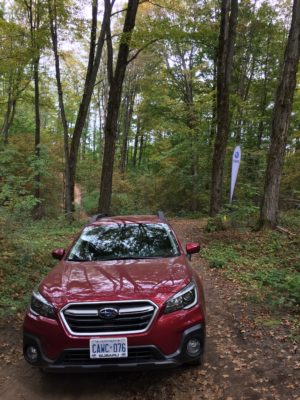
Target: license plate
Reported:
point(108, 348)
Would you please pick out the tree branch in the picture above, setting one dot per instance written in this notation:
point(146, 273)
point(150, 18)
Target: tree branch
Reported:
point(141, 49)
point(118, 12)
point(98, 83)
point(159, 5)
point(125, 9)
point(110, 55)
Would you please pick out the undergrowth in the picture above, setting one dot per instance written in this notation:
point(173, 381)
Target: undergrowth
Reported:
point(268, 263)
point(25, 257)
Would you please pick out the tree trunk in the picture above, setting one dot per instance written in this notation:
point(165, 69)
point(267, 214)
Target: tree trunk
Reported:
point(94, 134)
point(53, 30)
point(129, 103)
point(33, 10)
point(280, 123)
point(243, 92)
point(96, 46)
point(114, 101)
point(37, 136)
point(142, 148)
point(8, 118)
point(90, 80)
point(85, 136)
point(136, 142)
point(214, 100)
point(229, 11)
point(263, 105)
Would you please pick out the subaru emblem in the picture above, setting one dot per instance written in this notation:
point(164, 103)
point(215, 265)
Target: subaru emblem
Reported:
point(108, 313)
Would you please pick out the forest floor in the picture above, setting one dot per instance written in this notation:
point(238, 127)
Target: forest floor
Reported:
point(244, 360)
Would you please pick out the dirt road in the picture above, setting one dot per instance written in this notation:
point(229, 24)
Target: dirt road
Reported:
point(242, 361)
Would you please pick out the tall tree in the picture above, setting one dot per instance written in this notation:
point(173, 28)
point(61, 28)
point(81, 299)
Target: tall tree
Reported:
point(280, 123)
point(129, 99)
point(229, 12)
point(34, 14)
point(52, 9)
point(17, 83)
point(131, 87)
point(95, 52)
point(15, 77)
point(116, 80)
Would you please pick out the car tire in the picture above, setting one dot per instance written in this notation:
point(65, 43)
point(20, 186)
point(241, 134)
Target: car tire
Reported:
point(195, 363)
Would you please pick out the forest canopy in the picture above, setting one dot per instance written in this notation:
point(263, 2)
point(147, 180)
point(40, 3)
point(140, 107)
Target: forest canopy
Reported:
point(60, 78)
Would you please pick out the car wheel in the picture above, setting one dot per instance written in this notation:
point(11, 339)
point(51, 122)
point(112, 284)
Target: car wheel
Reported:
point(195, 363)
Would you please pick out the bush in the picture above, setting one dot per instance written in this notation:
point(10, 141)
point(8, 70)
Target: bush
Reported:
point(123, 203)
point(25, 256)
point(216, 224)
point(290, 219)
point(234, 216)
point(90, 202)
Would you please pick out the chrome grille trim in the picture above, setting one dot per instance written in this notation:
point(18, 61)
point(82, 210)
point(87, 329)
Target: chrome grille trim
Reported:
point(125, 311)
point(79, 312)
point(136, 310)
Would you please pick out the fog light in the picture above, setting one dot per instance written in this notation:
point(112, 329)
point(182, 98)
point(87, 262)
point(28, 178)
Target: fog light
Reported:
point(193, 347)
point(32, 354)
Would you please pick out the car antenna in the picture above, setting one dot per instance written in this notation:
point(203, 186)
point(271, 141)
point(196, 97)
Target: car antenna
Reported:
point(161, 216)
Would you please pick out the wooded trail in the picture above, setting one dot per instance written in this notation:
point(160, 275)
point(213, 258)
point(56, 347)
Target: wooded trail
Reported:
point(242, 361)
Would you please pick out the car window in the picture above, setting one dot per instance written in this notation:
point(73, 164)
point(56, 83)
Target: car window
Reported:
point(124, 241)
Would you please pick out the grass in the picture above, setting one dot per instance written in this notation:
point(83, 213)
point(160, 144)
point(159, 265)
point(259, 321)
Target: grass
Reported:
point(266, 266)
point(25, 257)
point(267, 263)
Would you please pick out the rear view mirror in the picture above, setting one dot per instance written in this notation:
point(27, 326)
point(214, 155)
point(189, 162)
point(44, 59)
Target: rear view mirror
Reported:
point(192, 248)
point(58, 253)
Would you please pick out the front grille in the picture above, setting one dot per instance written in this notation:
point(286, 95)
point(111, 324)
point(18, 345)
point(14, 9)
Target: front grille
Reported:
point(135, 355)
point(86, 319)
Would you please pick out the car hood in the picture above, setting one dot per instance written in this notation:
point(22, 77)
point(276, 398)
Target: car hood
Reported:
point(154, 279)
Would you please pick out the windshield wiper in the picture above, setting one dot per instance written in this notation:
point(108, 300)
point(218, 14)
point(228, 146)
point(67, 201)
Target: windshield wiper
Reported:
point(127, 258)
point(77, 259)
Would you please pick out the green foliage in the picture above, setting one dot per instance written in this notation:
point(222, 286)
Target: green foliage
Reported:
point(15, 195)
point(173, 113)
point(290, 218)
point(290, 186)
point(17, 177)
point(90, 202)
point(215, 224)
point(282, 287)
point(220, 255)
point(123, 203)
point(25, 257)
point(268, 264)
point(234, 215)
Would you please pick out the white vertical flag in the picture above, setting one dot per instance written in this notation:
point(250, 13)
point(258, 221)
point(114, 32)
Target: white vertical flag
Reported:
point(236, 159)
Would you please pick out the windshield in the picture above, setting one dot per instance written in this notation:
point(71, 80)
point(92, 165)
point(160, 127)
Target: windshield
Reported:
point(124, 241)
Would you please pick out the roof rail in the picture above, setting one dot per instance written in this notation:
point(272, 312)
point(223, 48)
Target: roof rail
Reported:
point(161, 216)
point(96, 217)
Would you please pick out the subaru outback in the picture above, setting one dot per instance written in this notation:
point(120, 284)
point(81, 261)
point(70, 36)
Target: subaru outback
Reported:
point(123, 296)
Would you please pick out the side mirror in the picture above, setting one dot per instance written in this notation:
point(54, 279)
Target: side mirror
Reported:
point(58, 253)
point(192, 248)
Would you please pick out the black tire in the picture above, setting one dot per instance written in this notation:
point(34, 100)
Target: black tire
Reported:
point(195, 363)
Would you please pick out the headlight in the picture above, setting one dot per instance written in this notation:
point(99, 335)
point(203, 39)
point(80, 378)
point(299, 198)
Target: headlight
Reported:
point(40, 306)
point(186, 298)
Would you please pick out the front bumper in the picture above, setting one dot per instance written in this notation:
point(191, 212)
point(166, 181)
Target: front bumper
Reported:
point(139, 357)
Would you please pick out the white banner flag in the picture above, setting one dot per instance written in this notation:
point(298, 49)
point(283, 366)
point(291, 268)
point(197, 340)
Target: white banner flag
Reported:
point(236, 159)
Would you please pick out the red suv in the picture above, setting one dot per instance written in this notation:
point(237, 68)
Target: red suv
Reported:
point(123, 296)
